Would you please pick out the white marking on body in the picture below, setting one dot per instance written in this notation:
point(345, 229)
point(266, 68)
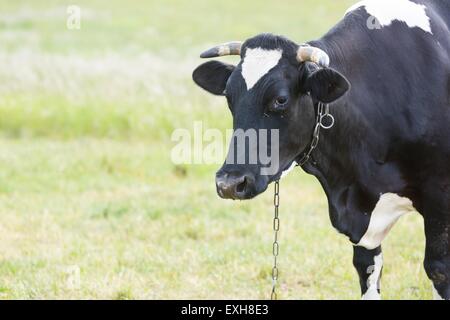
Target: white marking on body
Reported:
point(286, 172)
point(436, 295)
point(388, 210)
point(387, 11)
point(257, 63)
point(372, 282)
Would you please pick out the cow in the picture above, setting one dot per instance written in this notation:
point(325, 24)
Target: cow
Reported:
point(382, 74)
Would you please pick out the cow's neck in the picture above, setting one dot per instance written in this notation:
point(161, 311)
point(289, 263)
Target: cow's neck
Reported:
point(337, 161)
point(336, 153)
point(353, 144)
point(347, 154)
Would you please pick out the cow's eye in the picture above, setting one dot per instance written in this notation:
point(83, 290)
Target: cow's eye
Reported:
point(281, 101)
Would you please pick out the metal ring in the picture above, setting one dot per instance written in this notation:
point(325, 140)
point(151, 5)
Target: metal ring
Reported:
point(327, 115)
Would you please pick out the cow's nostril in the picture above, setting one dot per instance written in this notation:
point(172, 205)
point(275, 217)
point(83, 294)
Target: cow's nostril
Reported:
point(240, 188)
point(235, 186)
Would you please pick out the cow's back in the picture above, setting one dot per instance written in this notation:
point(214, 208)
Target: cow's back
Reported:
point(400, 72)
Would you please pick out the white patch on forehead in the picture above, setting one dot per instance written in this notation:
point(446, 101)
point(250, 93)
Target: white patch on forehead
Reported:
point(257, 63)
point(372, 282)
point(387, 11)
point(388, 210)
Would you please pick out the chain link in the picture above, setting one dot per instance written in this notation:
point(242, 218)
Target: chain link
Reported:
point(276, 246)
point(323, 112)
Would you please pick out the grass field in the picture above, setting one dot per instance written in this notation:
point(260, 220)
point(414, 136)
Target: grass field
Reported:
point(91, 205)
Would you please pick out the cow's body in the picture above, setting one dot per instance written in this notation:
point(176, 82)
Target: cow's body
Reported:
point(393, 128)
point(389, 152)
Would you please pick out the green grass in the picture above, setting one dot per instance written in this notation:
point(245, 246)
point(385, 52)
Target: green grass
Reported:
point(86, 181)
point(127, 71)
point(137, 228)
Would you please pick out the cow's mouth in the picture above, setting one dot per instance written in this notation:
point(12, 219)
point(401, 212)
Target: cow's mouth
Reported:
point(240, 186)
point(245, 186)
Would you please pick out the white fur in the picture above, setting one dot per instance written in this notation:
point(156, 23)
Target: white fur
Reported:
point(257, 63)
point(387, 11)
point(286, 172)
point(436, 295)
point(372, 282)
point(388, 210)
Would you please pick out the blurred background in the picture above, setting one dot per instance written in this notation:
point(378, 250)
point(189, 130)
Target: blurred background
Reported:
point(91, 205)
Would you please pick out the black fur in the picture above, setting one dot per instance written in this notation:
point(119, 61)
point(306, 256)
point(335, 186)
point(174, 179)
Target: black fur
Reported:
point(212, 76)
point(392, 132)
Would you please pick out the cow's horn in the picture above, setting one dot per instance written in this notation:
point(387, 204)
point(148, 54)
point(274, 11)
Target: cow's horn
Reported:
point(313, 54)
point(226, 49)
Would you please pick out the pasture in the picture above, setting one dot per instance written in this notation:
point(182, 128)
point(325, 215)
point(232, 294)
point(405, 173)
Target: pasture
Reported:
point(91, 205)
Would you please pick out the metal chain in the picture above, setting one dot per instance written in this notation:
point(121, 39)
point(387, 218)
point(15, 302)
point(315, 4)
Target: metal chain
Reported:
point(276, 246)
point(323, 112)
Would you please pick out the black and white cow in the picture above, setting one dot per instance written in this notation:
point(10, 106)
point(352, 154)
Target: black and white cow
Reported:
point(388, 153)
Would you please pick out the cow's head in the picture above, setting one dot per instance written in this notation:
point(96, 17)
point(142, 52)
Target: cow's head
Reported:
point(276, 85)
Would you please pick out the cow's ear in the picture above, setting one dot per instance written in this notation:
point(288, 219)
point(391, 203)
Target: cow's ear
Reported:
point(326, 85)
point(213, 76)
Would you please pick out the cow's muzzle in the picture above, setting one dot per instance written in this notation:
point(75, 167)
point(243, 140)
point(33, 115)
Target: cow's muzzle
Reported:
point(235, 186)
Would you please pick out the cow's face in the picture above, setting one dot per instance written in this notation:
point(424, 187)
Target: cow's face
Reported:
point(272, 98)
